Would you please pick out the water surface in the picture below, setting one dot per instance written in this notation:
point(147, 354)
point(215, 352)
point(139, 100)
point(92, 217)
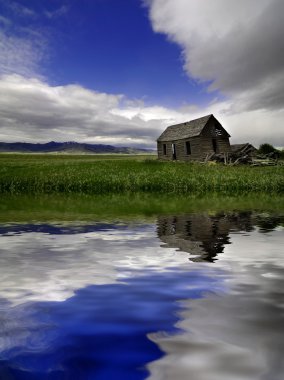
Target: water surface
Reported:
point(178, 296)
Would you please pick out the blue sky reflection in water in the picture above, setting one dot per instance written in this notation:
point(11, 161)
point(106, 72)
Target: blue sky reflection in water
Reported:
point(195, 294)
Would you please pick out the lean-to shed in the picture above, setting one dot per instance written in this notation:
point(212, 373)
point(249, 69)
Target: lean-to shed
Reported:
point(246, 148)
point(193, 140)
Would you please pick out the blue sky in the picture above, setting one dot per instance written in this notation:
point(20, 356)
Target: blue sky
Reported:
point(142, 64)
point(108, 46)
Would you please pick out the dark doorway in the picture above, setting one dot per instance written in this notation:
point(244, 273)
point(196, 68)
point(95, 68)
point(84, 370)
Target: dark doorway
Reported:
point(214, 142)
point(174, 151)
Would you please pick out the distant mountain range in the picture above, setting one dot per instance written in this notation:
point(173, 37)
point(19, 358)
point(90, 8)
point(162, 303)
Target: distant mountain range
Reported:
point(69, 147)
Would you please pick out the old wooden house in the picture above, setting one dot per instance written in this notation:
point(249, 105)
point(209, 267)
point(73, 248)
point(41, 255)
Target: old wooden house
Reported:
point(193, 140)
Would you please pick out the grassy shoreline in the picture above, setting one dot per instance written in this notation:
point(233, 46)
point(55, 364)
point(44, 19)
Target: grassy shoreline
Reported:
point(68, 174)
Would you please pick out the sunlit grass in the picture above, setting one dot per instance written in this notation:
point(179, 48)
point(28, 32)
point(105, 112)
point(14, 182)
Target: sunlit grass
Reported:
point(46, 174)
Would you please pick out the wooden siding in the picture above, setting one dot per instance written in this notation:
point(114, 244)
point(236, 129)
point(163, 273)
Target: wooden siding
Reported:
point(169, 155)
point(224, 145)
point(200, 148)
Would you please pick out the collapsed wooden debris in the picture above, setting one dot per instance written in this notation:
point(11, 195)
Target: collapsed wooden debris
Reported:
point(244, 154)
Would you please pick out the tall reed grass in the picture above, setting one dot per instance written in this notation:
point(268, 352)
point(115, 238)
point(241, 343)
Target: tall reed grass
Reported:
point(38, 174)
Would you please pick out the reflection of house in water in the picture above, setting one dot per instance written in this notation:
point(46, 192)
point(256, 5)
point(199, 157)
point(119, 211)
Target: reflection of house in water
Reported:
point(202, 235)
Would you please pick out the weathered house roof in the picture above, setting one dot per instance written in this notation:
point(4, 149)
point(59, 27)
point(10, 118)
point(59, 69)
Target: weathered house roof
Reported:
point(244, 148)
point(186, 130)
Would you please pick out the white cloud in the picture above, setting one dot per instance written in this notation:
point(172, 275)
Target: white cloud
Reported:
point(19, 9)
point(237, 46)
point(57, 12)
point(227, 43)
point(32, 110)
point(20, 55)
point(22, 46)
point(5, 21)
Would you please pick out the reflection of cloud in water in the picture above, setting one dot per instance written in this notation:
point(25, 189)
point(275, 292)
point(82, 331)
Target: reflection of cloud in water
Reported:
point(39, 266)
point(236, 335)
point(105, 326)
point(57, 259)
point(239, 336)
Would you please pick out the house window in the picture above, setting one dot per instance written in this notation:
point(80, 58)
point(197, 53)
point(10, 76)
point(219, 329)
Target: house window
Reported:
point(174, 151)
point(165, 149)
point(187, 148)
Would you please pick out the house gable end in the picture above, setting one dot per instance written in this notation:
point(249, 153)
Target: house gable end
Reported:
point(214, 129)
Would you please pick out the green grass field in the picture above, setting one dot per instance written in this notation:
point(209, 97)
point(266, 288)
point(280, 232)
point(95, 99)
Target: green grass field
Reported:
point(51, 174)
